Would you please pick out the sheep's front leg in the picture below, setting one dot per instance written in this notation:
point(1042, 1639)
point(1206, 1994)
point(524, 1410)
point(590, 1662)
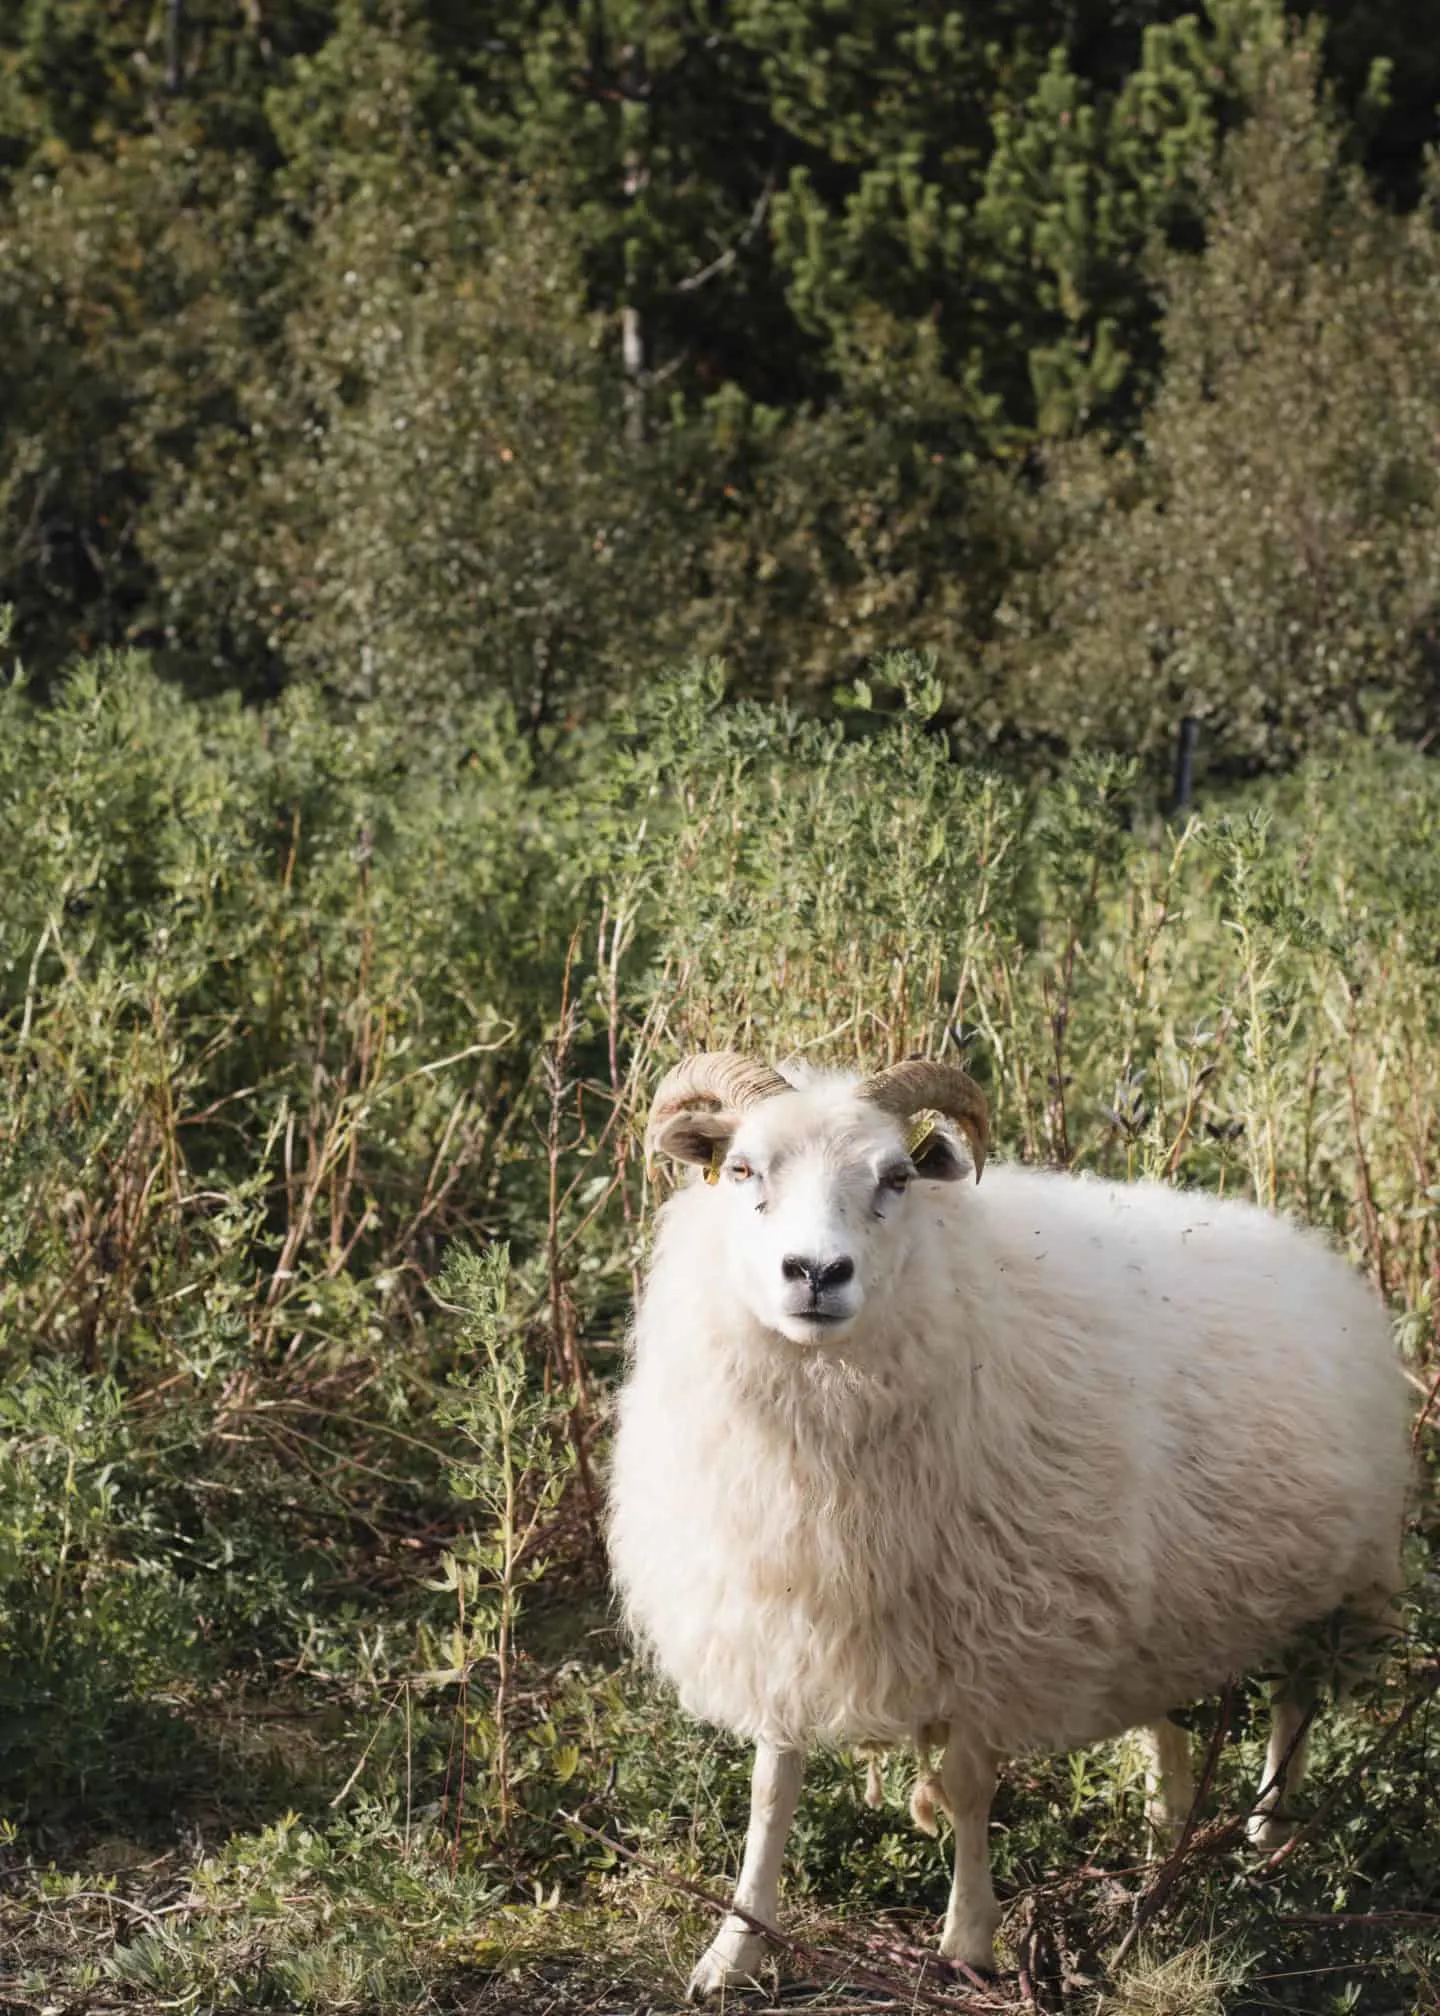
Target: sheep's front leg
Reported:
point(1270, 1824)
point(967, 1780)
point(734, 1953)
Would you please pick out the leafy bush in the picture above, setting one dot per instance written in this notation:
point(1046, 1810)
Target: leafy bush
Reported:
point(95, 1618)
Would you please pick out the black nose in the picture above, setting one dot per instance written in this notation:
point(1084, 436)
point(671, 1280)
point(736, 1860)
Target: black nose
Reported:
point(833, 1275)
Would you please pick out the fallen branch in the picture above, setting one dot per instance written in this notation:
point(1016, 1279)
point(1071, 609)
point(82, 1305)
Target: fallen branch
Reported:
point(1152, 1898)
point(1195, 1841)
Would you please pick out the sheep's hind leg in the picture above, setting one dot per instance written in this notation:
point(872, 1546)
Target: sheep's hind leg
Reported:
point(1270, 1824)
point(966, 1787)
point(1169, 1780)
point(736, 1950)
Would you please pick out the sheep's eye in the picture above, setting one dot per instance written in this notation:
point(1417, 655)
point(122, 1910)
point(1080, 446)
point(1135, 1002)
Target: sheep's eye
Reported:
point(740, 1172)
point(897, 1180)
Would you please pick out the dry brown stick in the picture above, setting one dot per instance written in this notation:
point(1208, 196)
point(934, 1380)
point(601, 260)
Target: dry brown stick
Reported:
point(564, 1344)
point(914, 1994)
point(1027, 1989)
point(1218, 1836)
point(617, 1089)
point(1369, 1209)
point(1151, 1899)
point(1423, 1417)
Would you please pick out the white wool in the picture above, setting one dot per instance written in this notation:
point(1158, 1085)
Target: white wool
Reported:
point(1085, 1452)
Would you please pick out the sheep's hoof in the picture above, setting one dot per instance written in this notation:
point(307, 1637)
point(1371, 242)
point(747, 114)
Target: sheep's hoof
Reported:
point(971, 1946)
point(731, 1960)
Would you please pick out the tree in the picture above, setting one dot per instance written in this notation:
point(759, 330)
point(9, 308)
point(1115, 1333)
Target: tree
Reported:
point(1266, 555)
point(78, 76)
point(776, 294)
point(424, 489)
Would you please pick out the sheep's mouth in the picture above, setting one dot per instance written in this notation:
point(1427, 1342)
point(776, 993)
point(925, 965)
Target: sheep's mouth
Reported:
point(823, 1319)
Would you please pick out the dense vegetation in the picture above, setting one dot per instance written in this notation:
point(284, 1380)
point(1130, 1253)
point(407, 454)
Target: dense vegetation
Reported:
point(435, 352)
point(394, 399)
point(298, 1500)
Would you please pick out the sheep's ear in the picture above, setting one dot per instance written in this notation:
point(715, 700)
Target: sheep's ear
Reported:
point(937, 1158)
point(695, 1137)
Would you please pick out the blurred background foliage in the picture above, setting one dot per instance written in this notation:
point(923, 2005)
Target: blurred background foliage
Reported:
point(441, 353)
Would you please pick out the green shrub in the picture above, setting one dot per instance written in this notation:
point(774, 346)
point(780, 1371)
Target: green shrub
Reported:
point(97, 1618)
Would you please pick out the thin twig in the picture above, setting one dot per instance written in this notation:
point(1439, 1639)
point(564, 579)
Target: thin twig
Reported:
point(727, 258)
point(1423, 1417)
point(1151, 1899)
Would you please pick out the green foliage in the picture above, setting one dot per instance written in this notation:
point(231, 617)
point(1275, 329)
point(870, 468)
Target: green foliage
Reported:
point(84, 75)
point(436, 504)
point(1264, 556)
point(95, 1611)
point(1003, 200)
point(305, 1019)
point(430, 379)
point(513, 1474)
point(301, 1947)
point(432, 353)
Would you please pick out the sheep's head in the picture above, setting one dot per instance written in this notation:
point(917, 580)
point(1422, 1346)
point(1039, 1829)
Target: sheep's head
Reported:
point(811, 1183)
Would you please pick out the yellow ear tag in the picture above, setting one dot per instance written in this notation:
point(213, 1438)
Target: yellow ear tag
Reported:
point(919, 1134)
point(712, 1167)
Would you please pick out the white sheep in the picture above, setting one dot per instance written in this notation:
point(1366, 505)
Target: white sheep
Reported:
point(1014, 1468)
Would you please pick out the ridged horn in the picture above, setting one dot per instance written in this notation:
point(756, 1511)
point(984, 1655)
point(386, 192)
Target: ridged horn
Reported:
point(722, 1079)
point(922, 1085)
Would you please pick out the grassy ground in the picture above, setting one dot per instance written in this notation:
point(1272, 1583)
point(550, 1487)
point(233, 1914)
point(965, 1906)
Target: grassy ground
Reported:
point(287, 1870)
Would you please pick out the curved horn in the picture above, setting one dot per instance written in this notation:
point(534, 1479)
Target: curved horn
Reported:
point(719, 1078)
point(922, 1085)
